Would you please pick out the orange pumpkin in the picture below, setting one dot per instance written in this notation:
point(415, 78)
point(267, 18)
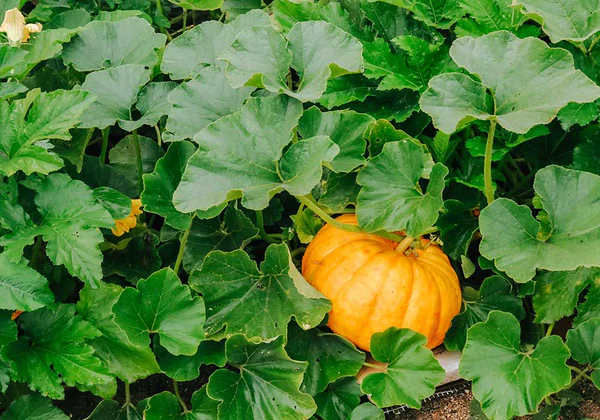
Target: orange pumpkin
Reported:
point(373, 287)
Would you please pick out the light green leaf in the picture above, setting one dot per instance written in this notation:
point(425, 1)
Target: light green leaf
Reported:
point(412, 371)
point(306, 224)
point(52, 350)
point(492, 359)
point(487, 16)
point(33, 407)
point(10, 59)
point(584, 343)
point(573, 20)
point(242, 299)
point(338, 401)
point(329, 356)
point(344, 128)
point(557, 292)
point(199, 102)
point(22, 288)
point(28, 124)
point(346, 89)
point(101, 45)
point(116, 90)
point(494, 294)
point(43, 46)
point(439, 13)
point(200, 46)
point(233, 232)
point(11, 89)
point(113, 201)
point(391, 198)
point(266, 385)
point(198, 4)
point(518, 72)
point(127, 361)
point(162, 305)
point(70, 19)
point(239, 153)
point(340, 191)
point(518, 245)
point(591, 307)
point(581, 114)
point(160, 185)
point(367, 411)
point(152, 104)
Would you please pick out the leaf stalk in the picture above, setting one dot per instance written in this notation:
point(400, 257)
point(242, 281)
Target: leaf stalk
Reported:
point(487, 164)
point(182, 244)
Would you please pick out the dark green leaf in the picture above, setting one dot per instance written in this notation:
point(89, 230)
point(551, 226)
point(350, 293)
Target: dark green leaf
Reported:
point(338, 401)
point(33, 407)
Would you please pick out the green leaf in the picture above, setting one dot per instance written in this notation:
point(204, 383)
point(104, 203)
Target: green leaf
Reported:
point(391, 198)
point(344, 128)
point(267, 385)
point(306, 224)
point(439, 13)
point(116, 90)
point(27, 124)
point(113, 201)
point(152, 104)
point(575, 113)
point(22, 288)
point(200, 46)
point(457, 226)
point(242, 299)
point(126, 360)
point(584, 343)
point(587, 153)
point(187, 368)
point(338, 401)
point(165, 406)
point(70, 19)
point(160, 185)
point(329, 356)
point(367, 411)
point(10, 58)
point(518, 72)
point(492, 359)
point(381, 132)
point(11, 89)
point(74, 149)
point(52, 350)
point(162, 305)
point(238, 157)
point(134, 257)
point(341, 191)
point(202, 101)
point(574, 20)
point(101, 45)
point(123, 157)
point(488, 16)
point(412, 371)
point(515, 241)
point(233, 232)
point(591, 307)
point(198, 4)
point(113, 410)
point(44, 46)
point(557, 292)
point(346, 89)
point(33, 407)
point(494, 294)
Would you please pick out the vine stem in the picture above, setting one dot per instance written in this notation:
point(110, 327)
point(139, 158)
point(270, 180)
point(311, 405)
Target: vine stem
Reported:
point(580, 374)
point(138, 158)
point(310, 202)
point(404, 244)
point(372, 365)
point(260, 221)
point(127, 394)
point(549, 330)
point(487, 163)
point(158, 135)
point(105, 134)
point(182, 244)
point(178, 395)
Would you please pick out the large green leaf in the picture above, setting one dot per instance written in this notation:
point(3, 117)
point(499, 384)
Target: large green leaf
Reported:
point(116, 90)
point(242, 299)
point(487, 16)
point(102, 44)
point(411, 374)
point(494, 294)
point(492, 359)
point(519, 245)
point(329, 356)
point(232, 232)
point(344, 128)
point(391, 197)
point(530, 83)
point(152, 104)
point(22, 288)
point(338, 401)
point(557, 292)
point(200, 46)
point(240, 155)
point(201, 101)
point(33, 407)
point(573, 20)
point(126, 360)
point(584, 343)
point(160, 185)
point(27, 124)
point(52, 350)
point(439, 13)
point(267, 385)
point(162, 305)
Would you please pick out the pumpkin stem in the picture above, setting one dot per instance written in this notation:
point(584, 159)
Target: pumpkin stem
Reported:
point(404, 244)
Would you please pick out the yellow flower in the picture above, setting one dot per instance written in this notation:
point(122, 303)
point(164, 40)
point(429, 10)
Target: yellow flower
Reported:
point(15, 28)
point(128, 223)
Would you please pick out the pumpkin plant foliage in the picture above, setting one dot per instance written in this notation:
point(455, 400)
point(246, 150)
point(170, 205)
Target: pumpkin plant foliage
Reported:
point(243, 127)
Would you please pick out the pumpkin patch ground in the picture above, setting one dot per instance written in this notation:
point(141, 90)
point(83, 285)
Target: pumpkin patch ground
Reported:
point(291, 209)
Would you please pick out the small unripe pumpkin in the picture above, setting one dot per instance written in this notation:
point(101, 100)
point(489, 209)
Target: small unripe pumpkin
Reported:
point(372, 287)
